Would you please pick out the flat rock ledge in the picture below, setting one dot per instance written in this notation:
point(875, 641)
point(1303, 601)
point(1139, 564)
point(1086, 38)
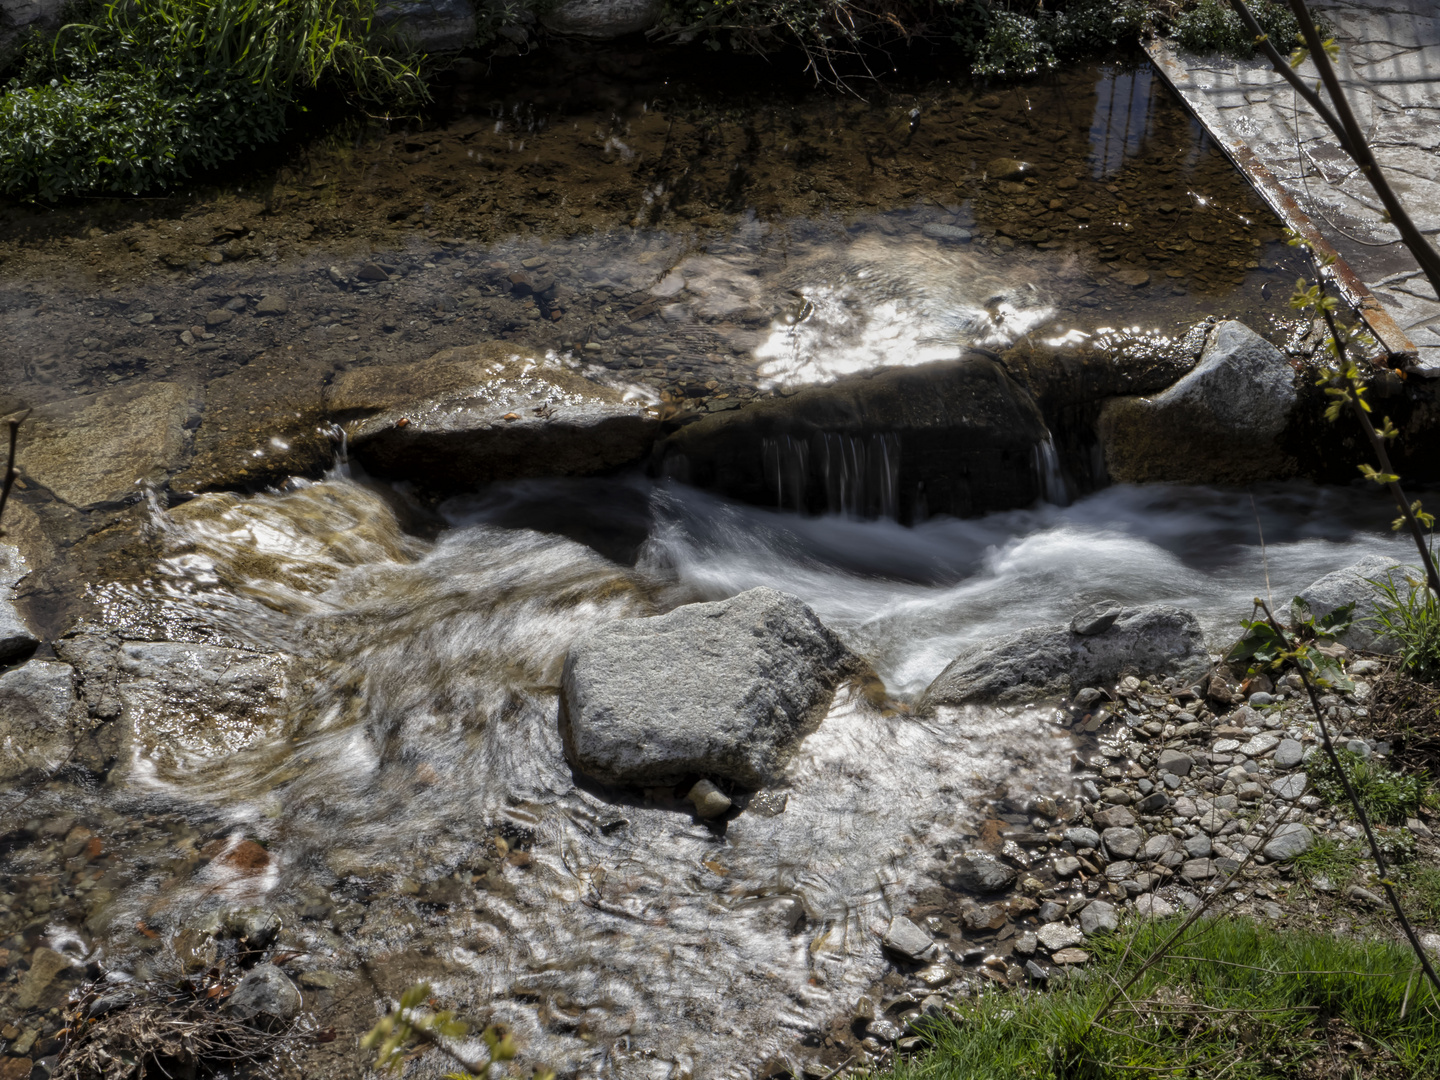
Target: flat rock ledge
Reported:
point(1098, 646)
point(721, 690)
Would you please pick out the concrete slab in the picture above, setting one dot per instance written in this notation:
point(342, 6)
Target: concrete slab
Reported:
point(1390, 69)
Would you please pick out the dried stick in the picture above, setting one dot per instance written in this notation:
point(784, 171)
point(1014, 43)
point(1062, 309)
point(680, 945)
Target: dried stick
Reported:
point(10, 471)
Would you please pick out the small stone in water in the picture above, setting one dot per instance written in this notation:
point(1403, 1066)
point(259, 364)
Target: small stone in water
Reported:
point(978, 872)
point(907, 940)
point(938, 231)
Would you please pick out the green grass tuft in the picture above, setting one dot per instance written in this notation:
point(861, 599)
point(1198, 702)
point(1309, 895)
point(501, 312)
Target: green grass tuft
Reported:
point(1386, 795)
point(1236, 999)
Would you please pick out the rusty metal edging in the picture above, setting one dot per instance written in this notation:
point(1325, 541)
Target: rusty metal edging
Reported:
point(1391, 338)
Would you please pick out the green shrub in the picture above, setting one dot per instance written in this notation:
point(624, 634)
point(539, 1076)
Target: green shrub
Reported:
point(1386, 795)
point(154, 89)
point(1211, 26)
point(1409, 612)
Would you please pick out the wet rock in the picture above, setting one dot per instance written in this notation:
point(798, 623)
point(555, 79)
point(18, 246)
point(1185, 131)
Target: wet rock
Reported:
point(1289, 840)
point(1098, 917)
point(709, 800)
point(267, 990)
point(1046, 662)
point(184, 704)
point(1007, 168)
point(1134, 278)
point(40, 717)
point(1353, 585)
point(960, 438)
point(1027, 943)
point(981, 917)
point(1055, 936)
point(908, 941)
point(1095, 619)
point(602, 19)
point(978, 872)
point(725, 689)
point(939, 231)
point(430, 26)
point(483, 413)
point(99, 450)
point(1222, 423)
point(1067, 866)
point(16, 640)
point(43, 981)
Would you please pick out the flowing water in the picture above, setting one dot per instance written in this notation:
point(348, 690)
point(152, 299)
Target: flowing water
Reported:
point(403, 773)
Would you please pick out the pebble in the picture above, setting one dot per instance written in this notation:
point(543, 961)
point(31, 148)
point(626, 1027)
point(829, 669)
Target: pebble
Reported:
point(1289, 840)
point(1067, 866)
point(709, 800)
point(1070, 956)
point(1117, 817)
point(1176, 762)
point(939, 231)
point(1359, 747)
point(1289, 753)
point(907, 940)
point(1099, 916)
point(265, 989)
point(1122, 843)
point(978, 872)
point(1026, 944)
point(1154, 907)
point(1290, 787)
point(1082, 837)
point(1056, 936)
point(1260, 744)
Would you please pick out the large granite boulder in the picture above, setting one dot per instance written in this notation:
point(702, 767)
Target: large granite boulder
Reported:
point(602, 19)
point(959, 437)
point(1223, 423)
point(40, 717)
point(723, 690)
point(1354, 584)
point(472, 415)
point(1050, 662)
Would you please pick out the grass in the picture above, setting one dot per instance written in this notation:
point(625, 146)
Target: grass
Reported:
point(1408, 612)
point(1387, 796)
point(1420, 896)
point(1334, 859)
point(1237, 1000)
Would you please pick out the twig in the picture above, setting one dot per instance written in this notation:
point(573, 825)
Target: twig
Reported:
point(1355, 804)
point(10, 471)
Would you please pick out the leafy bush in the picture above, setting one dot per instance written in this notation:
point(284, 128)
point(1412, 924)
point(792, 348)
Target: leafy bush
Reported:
point(156, 88)
point(1386, 795)
point(1211, 26)
point(1409, 612)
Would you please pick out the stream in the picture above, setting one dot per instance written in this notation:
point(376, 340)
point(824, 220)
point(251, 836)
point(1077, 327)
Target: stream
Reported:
point(341, 693)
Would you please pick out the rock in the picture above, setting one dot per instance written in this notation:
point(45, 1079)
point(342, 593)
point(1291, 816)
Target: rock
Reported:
point(265, 989)
point(1095, 619)
point(1008, 168)
point(602, 19)
point(217, 317)
point(1224, 422)
point(1035, 971)
point(183, 705)
point(1260, 699)
point(938, 231)
point(1152, 906)
point(1152, 803)
point(906, 940)
point(1099, 916)
point(958, 437)
point(1289, 753)
point(40, 717)
point(1359, 747)
point(1134, 278)
point(320, 980)
point(372, 272)
point(978, 872)
point(274, 304)
point(1116, 817)
point(16, 640)
point(1026, 944)
point(1070, 956)
point(430, 26)
point(1198, 869)
point(1056, 936)
point(1160, 845)
point(1048, 662)
point(97, 451)
point(1289, 840)
point(38, 985)
point(1122, 843)
point(709, 800)
point(1290, 787)
point(456, 435)
point(1419, 828)
point(1117, 796)
point(978, 917)
point(1259, 745)
point(1353, 585)
point(1082, 837)
point(1067, 866)
point(724, 689)
point(1176, 761)
point(1364, 896)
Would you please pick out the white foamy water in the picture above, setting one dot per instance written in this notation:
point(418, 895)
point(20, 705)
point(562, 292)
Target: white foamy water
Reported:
point(628, 939)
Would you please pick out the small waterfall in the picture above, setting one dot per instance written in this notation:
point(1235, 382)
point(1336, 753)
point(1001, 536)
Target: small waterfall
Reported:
point(853, 475)
point(1047, 472)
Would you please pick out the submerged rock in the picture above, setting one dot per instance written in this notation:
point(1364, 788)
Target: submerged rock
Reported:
point(1222, 423)
point(978, 872)
point(266, 990)
point(430, 25)
point(1054, 661)
point(1353, 584)
point(958, 437)
point(482, 413)
point(726, 689)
